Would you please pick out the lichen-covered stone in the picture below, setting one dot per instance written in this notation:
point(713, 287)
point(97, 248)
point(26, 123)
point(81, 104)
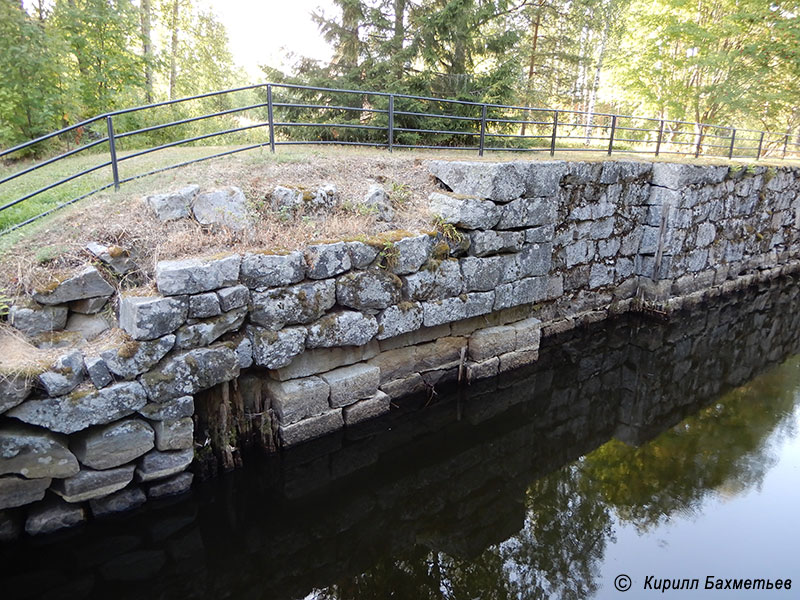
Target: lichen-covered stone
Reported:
point(311, 428)
point(187, 373)
point(173, 205)
point(276, 349)
point(410, 253)
point(527, 212)
point(327, 260)
point(52, 515)
point(491, 342)
point(177, 484)
point(115, 257)
point(196, 275)
point(443, 311)
point(37, 319)
point(159, 465)
point(500, 182)
point(65, 374)
point(399, 319)
point(371, 289)
point(89, 327)
point(482, 274)
point(233, 297)
point(202, 306)
point(377, 199)
point(13, 390)
point(244, 352)
point(176, 408)
point(534, 259)
point(98, 372)
point(88, 483)
point(435, 281)
point(151, 317)
point(114, 444)
point(524, 291)
point(174, 434)
point(286, 199)
point(207, 331)
point(34, 453)
point(361, 255)
point(298, 399)
point(484, 243)
point(121, 501)
point(261, 271)
point(466, 213)
point(133, 358)
point(18, 491)
point(225, 206)
point(87, 283)
point(353, 383)
point(366, 409)
point(677, 176)
point(301, 303)
point(320, 360)
point(345, 328)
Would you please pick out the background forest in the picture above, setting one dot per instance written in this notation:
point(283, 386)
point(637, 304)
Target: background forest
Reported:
point(713, 61)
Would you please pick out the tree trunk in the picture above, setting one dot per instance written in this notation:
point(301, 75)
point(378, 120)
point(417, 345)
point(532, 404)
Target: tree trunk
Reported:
point(398, 36)
point(173, 51)
point(596, 81)
point(145, 12)
point(532, 64)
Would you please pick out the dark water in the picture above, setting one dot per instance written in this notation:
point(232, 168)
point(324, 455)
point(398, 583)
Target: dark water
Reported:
point(635, 446)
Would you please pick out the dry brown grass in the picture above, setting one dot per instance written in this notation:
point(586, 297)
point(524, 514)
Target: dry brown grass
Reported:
point(19, 358)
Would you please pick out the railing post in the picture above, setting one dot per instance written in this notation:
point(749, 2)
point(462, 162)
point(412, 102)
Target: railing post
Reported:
point(699, 141)
point(483, 130)
point(733, 139)
point(112, 146)
point(611, 137)
point(785, 143)
point(760, 145)
point(553, 138)
point(660, 137)
point(271, 120)
point(391, 122)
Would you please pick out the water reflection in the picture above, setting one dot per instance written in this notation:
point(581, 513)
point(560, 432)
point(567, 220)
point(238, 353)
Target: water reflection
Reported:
point(512, 490)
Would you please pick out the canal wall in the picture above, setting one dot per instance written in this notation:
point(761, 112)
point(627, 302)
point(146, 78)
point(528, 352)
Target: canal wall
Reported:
point(339, 331)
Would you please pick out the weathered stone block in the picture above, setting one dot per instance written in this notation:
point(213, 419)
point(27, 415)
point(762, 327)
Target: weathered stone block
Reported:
point(443, 311)
point(482, 370)
point(441, 280)
point(484, 243)
point(527, 212)
point(122, 501)
point(38, 319)
point(177, 484)
point(601, 275)
point(298, 399)
point(174, 434)
point(349, 384)
point(370, 408)
point(399, 319)
point(134, 358)
point(491, 342)
point(159, 465)
point(345, 328)
point(579, 252)
point(13, 390)
point(361, 255)
point(150, 317)
point(82, 408)
point(18, 491)
point(534, 259)
point(65, 374)
point(202, 306)
point(371, 289)
point(500, 182)
point(88, 484)
point(244, 352)
point(327, 260)
point(311, 428)
point(395, 364)
point(407, 386)
point(515, 360)
point(173, 205)
point(209, 330)
point(528, 333)
point(87, 283)
point(233, 297)
point(377, 200)
point(225, 206)
point(114, 444)
point(34, 453)
point(524, 291)
point(418, 336)
point(438, 354)
point(196, 275)
point(464, 212)
point(706, 234)
point(52, 515)
point(301, 303)
point(189, 372)
point(88, 327)
point(482, 274)
point(176, 408)
point(261, 271)
point(320, 360)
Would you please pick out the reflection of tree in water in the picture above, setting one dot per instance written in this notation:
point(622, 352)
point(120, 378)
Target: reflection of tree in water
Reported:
point(724, 446)
point(567, 524)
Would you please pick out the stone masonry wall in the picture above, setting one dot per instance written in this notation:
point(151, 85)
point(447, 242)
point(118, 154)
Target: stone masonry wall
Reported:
point(339, 330)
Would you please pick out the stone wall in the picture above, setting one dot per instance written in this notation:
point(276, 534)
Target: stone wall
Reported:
point(339, 330)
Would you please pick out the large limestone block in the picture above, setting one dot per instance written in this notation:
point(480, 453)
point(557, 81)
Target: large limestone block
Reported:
point(195, 275)
point(409, 254)
point(134, 358)
point(500, 182)
point(233, 297)
point(89, 327)
point(121, 501)
point(261, 271)
point(176, 408)
point(677, 176)
point(434, 281)
point(464, 212)
point(276, 349)
point(65, 374)
point(366, 409)
point(327, 260)
point(225, 206)
point(319, 360)
point(37, 319)
point(346, 328)
point(187, 373)
point(485, 243)
point(18, 491)
point(524, 291)
point(361, 255)
point(491, 342)
point(482, 274)
point(311, 428)
point(158, 465)
point(98, 372)
point(353, 383)
point(114, 444)
point(34, 453)
point(82, 408)
point(298, 399)
point(208, 331)
point(174, 434)
point(151, 317)
point(399, 319)
point(172, 205)
point(370, 289)
point(52, 515)
point(301, 303)
point(528, 212)
point(177, 484)
point(541, 178)
point(89, 484)
point(87, 283)
point(205, 305)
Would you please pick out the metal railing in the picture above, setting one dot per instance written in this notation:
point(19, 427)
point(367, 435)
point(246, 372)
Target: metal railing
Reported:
point(297, 114)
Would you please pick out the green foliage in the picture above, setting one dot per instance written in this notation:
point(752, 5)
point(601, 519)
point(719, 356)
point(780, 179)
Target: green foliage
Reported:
point(48, 254)
point(5, 305)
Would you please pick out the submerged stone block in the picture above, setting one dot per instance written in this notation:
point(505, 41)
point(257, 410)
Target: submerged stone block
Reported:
point(298, 399)
point(121, 501)
point(52, 515)
point(353, 383)
point(177, 484)
point(18, 491)
point(88, 484)
point(311, 428)
point(366, 409)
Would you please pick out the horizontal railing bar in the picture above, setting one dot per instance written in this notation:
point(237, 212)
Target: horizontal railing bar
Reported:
point(125, 111)
point(52, 160)
point(489, 119)
point(329, 125)
point(189, 120)
point(522, 137)
point(52, 185)
point(436, 147)
point(331, 107)
point(435, 115)
point(43, 138)
point(329, 142)
point(442, 131)
point(511, 149)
